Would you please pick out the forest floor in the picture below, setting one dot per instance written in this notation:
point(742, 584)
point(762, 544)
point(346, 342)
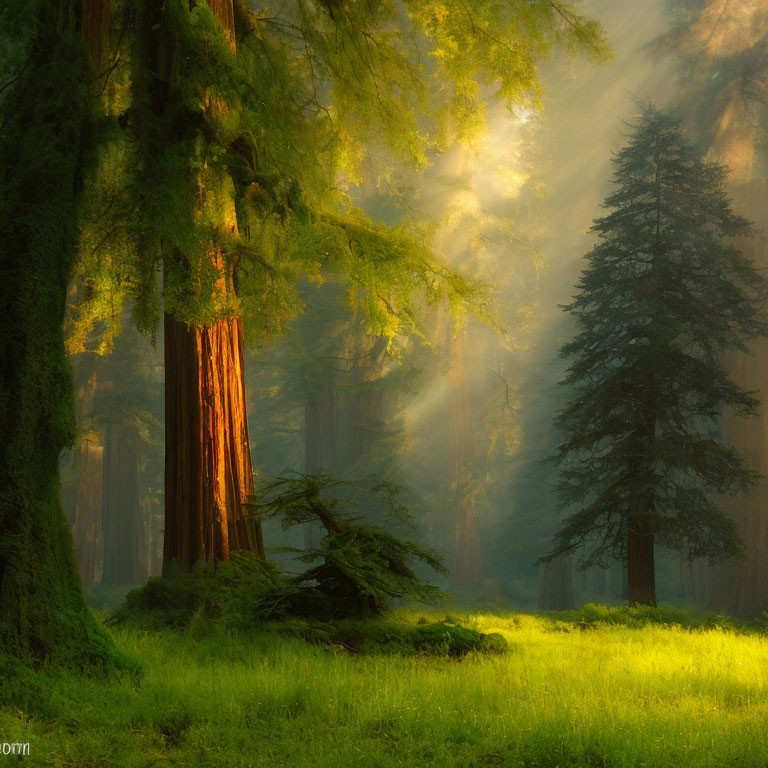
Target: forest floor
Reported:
point(564, 694)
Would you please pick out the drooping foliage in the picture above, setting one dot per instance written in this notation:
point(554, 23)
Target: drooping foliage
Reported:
point(363, 567)
point(663, 296)
point(223, 152)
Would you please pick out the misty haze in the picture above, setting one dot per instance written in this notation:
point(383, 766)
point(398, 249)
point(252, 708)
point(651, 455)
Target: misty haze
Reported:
point(383, 382)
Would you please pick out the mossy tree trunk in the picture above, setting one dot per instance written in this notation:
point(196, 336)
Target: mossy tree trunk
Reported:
point(42, 612)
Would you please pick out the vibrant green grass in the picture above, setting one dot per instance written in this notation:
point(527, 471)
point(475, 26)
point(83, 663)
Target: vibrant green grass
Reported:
point(610, 695)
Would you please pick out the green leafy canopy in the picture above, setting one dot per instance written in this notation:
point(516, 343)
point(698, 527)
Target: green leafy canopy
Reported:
point(223, 159)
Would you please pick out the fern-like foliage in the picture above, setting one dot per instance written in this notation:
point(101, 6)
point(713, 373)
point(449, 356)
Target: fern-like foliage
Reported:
point(360, 567)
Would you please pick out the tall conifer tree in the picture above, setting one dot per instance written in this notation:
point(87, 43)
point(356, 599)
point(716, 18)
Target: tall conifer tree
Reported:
point(241, 123)
point(664, 295)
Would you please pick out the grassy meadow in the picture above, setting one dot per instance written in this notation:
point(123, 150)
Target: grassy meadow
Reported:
point(567, 692)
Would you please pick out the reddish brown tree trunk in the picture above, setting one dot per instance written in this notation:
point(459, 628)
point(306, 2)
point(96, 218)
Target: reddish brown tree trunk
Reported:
point(208, 471)
point(94, 27)
point(641, 570)
point(125, 545)
point(86, 530)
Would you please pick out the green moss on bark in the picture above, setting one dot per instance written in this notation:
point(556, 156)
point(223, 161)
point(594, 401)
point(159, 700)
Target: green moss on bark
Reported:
point(44, 120)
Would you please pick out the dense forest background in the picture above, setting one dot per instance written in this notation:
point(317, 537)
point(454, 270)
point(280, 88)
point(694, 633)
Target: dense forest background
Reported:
point(459, 414)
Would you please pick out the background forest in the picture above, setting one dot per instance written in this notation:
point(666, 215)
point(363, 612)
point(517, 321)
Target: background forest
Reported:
point(284, 354)
point(460, 415)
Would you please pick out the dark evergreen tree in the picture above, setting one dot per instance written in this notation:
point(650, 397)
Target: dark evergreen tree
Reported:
point(663, 296)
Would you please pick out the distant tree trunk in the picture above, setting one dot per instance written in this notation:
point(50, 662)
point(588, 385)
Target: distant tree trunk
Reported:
point(741, 589)
point(86, 531)
point(695, 580)
point(617, 580)
point(641, 570)
point(86, 524)
point(467, 552)
point(155, 516)
point(556, 592)
point(208, 470)
point(599, 581)
point(320, 445)
point(125, 546)
point(641, 567)
point(367, 401)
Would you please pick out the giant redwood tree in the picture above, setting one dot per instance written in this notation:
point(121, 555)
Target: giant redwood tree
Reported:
point(663, 296)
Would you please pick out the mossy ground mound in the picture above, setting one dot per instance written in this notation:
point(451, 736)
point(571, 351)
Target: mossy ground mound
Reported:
point(205, 603)
point(445, 637)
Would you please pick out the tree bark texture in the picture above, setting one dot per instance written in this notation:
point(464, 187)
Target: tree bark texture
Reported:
point(94, 28)
point(641, 569)
point(208, 470)
point(42, 612)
